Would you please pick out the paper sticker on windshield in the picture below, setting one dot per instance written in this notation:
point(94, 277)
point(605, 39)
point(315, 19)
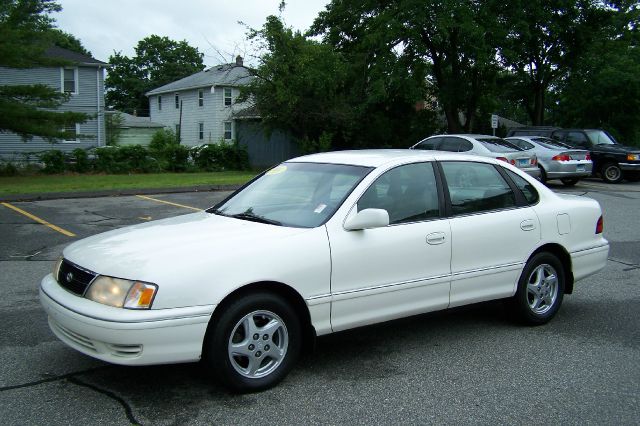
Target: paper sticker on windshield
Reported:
point(277, 170)
point(320, 208)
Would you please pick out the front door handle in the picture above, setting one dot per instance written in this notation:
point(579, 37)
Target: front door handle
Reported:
point(435, 238)
point(527, 225)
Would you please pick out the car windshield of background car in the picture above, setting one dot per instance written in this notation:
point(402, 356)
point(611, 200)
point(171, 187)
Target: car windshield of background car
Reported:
point(301, 195)
point(499, 145)
point(599, 137)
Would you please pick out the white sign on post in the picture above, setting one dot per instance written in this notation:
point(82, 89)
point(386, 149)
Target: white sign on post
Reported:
point(494, 121)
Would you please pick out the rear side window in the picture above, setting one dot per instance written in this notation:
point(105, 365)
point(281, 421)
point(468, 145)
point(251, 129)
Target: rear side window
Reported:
point(428, 144)
point(476, 187)
point(529, 192)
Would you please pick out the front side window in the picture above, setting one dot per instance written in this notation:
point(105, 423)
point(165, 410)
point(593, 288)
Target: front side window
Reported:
point(228, 134)
point(598, 137)
point(294, 194)
point(69, 83)
point(227, 96)
point(476, 187)
point(408, 193)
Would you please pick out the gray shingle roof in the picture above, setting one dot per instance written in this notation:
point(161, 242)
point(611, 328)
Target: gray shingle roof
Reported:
point(56, 52)
point(220, 75)
point(129, 120)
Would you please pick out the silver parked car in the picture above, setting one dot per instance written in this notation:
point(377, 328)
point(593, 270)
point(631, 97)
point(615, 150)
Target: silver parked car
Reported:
point(556, 160)
point(485, 146)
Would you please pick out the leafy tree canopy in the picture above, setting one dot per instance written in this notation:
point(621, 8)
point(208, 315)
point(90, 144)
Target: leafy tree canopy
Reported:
point(158, 61)
point(28, 110)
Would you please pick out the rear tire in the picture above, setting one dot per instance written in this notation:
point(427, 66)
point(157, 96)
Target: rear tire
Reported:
point(569, 181)
point(254, 343)
point(611, 173)
point(540, 289)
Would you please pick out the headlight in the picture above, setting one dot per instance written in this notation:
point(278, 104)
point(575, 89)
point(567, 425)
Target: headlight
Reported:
point(633, 157)
point(56, 269)
point(122, 293)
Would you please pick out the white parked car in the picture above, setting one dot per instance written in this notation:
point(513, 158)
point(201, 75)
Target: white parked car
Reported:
point(316, 245)
point(486, 146)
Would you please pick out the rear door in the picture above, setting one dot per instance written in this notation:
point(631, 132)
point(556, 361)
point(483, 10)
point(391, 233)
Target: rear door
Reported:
point(492, 232)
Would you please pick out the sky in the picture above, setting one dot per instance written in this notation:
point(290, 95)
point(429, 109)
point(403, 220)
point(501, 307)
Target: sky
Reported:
point(105, 26)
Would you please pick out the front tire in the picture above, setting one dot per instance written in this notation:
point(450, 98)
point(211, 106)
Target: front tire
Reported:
point(611, 173)
point(254, 343)
point(540, 289)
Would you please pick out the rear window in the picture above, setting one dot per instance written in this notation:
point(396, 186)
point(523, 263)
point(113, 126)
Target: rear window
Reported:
point(550, 143)
point(498, 145)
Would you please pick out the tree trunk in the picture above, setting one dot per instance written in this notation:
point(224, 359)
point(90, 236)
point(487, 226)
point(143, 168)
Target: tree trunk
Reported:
point(537, 114)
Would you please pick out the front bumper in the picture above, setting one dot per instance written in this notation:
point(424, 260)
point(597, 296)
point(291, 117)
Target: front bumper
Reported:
point(122, 336)
point(630, 166)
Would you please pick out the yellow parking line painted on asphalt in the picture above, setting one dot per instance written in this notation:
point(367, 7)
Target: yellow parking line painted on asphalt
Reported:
point(37, 219)
point(169, 202)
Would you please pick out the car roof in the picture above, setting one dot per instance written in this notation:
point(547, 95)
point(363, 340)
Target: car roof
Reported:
point(379, 157)
point(468, 135)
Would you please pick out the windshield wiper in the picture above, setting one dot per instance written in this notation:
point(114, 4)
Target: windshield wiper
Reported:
point(254, 218)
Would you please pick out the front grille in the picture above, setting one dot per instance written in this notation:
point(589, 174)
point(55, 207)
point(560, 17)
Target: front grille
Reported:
point(73, 278)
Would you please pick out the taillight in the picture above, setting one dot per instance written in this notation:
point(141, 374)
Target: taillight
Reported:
point(561, 157)
point(600, 225)
point(502, 159)
point(513, 162)
point(587, 157)
point(534, 161)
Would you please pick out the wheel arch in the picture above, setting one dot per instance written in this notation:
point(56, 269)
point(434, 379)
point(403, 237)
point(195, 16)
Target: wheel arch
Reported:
point(294, 298)
point(565, 259)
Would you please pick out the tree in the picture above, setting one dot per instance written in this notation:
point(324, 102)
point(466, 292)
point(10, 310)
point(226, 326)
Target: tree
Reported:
point(544, 40)
point(445, 46)
point(28, 110)
point(299, 84)
point(67, 41)
point(158, 61)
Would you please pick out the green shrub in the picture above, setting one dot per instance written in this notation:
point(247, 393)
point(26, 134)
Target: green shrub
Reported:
point(8, 169)
point(222, 156)
point(54, 161)
point(80, 160)
point(176, 158)
point(105, 160)
point(161, 139)
point(136, 158)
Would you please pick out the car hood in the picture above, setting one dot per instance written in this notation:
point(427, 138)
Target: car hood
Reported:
point(140, 251)
point(617, 148)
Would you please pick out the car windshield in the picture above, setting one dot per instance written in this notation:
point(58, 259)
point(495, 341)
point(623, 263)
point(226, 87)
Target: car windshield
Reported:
point(498, 145)
point(599, 137)
point(550, 143)
point(294, 194)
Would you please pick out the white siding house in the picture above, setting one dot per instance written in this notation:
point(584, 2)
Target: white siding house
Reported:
point(83, 79)
point(207, 100)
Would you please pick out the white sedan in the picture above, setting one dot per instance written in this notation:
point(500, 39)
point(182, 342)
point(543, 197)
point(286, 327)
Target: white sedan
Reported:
point(316, 245)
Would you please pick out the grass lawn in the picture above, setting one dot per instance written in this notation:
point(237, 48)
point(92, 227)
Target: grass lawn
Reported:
point(72, 183)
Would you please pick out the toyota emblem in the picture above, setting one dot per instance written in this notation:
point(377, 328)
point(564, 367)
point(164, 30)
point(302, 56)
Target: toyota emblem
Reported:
point(69, 277)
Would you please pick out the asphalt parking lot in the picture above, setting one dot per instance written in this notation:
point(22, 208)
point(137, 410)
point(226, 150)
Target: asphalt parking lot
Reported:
point(465, 366)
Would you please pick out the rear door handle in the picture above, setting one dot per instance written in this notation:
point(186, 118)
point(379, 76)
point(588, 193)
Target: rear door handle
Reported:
point(527, 225)
point(435, 238)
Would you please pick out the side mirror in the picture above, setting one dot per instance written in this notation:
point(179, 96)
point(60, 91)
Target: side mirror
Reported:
point(367, 219)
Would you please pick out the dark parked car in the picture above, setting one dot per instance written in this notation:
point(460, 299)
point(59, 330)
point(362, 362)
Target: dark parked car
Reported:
point(611, 160)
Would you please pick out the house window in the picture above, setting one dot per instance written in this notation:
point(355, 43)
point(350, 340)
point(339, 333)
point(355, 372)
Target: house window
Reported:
point(227, 131)
point(200, 131)
point(177, 101)
point(177, 130)
point(70, 80)
point(227, 96)
point(200, 97)
point(71, 131)
point(159, 103)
